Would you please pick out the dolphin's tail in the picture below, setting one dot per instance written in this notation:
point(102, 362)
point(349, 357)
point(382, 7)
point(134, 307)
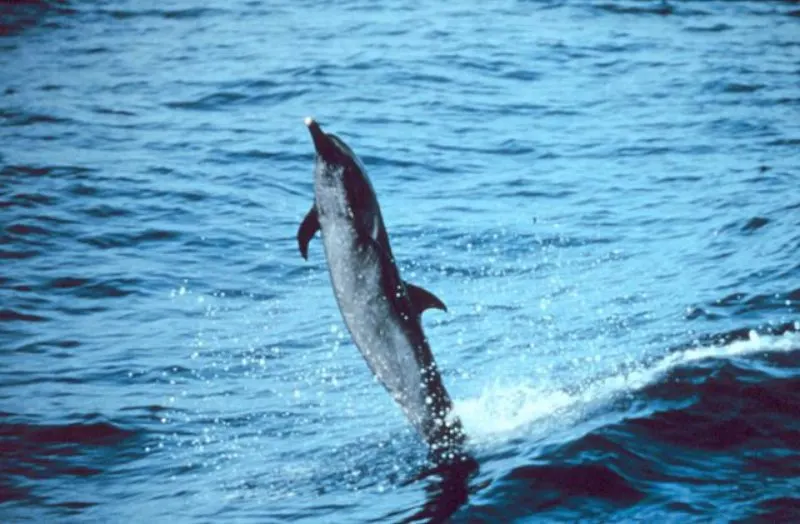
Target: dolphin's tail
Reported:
point(448, 463)
point(440, 427)
point(447, 442)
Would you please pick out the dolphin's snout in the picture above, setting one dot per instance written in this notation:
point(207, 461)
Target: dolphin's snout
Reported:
point(321, 141)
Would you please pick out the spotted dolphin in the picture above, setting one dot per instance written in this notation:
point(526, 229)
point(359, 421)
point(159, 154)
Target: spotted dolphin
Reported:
point(381, 310)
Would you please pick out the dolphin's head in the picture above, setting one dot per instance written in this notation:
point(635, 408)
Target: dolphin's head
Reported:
point(341, 182)
point(334, 157)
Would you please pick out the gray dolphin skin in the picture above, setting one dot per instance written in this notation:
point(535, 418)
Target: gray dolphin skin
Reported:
point(381, 311)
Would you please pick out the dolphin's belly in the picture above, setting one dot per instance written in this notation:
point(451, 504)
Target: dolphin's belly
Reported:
point(384, 337)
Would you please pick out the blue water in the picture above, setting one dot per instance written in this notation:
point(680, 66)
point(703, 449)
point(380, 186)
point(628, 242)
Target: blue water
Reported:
point(605, 195)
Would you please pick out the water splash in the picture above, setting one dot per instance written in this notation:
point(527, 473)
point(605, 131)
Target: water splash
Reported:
point(503, 411)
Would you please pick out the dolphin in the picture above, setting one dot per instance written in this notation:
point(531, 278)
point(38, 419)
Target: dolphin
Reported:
point(381, 310)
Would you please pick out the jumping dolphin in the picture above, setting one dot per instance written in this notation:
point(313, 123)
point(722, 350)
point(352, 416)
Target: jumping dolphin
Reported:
point(381, 311)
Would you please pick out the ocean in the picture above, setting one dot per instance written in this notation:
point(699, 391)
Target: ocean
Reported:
point(604, 194)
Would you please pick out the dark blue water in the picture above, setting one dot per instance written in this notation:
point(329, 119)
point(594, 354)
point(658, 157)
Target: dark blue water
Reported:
point(605, 195)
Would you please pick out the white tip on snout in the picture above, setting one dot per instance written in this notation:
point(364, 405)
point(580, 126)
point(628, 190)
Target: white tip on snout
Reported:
point(308, 121)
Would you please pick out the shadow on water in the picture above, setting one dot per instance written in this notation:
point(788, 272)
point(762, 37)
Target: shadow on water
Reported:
point(447, 493)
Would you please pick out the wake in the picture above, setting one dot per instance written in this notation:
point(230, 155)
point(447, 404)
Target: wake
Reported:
point(505, 411)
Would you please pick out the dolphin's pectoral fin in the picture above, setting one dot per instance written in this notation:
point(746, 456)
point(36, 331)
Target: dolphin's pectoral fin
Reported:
point(307, 230)
point(423, 299)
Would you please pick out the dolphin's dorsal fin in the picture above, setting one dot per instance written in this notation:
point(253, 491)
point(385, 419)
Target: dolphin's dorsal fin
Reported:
point(423, 299)
point(307, 230)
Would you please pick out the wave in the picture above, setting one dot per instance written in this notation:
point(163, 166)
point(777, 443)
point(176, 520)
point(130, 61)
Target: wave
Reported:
point(222, 100)
point(739, 303)
point(16, 17)
point(33, 454)
point(661, 8)
point(119, 239)
point(8, 315)
point(80, 434)
point(501, 410)
point(704, 418)
point(23, 118)
point(169, 14)
point(42, 450)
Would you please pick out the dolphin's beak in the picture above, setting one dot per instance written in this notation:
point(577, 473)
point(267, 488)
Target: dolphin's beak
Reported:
point(322, 143)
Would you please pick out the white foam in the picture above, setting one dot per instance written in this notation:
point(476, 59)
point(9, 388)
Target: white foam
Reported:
point(503, 410)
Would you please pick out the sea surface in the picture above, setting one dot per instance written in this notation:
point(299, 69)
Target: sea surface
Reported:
point(606, 195)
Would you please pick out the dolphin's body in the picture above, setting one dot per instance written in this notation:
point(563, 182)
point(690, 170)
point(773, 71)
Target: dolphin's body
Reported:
point(381, 311)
